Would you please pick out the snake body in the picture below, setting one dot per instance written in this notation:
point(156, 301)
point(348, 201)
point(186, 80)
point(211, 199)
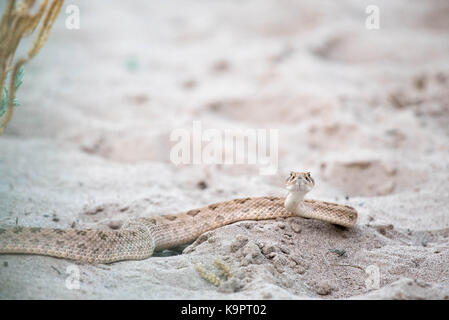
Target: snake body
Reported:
point(139, 238)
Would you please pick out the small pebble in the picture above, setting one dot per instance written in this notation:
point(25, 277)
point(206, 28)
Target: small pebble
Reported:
point(323, 288)
point(267, 295)
point(271, 255)
point(202, 185)
point(115, 225)
point(266, 250)
point(285, 250)
point(296, 227)
point(279, 263)
point(420, 82)
point(300, 269)
point(238, 243)
point(383, 229)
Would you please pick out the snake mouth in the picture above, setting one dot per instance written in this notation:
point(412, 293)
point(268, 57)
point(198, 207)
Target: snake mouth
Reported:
point(293, 187)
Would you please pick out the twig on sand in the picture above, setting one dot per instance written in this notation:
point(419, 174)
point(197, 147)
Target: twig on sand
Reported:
point(340, 253)
point(54, 268)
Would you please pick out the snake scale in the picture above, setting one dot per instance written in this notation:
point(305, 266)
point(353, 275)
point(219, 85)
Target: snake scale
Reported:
point(140, 237)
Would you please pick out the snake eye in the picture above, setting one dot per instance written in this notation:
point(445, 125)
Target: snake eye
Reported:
point(308, 177)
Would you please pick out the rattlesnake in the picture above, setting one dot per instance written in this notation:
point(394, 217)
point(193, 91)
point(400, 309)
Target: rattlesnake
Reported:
point(139, 238)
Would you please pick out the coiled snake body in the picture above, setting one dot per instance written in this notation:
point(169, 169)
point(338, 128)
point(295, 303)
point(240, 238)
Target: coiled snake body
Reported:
point(139, 238)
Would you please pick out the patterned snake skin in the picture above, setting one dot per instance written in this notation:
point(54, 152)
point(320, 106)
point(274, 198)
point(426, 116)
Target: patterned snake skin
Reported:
point(141, 237)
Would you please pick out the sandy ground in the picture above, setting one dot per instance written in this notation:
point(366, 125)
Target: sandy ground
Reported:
point(366, 111)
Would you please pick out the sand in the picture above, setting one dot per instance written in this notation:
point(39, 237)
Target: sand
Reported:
point(365, 111)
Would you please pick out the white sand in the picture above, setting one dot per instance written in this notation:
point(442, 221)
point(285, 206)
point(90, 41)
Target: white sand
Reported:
point(365, 111)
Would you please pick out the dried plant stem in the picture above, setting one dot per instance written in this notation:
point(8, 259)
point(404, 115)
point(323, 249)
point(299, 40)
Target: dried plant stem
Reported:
point(16, 23)
point(210, 277)
point(225, 270)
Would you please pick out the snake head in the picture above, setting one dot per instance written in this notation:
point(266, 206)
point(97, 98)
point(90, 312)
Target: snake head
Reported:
point(300, 182)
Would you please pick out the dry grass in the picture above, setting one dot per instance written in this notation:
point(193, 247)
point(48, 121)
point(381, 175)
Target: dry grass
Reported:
point(16, 23)
point(210, 277)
